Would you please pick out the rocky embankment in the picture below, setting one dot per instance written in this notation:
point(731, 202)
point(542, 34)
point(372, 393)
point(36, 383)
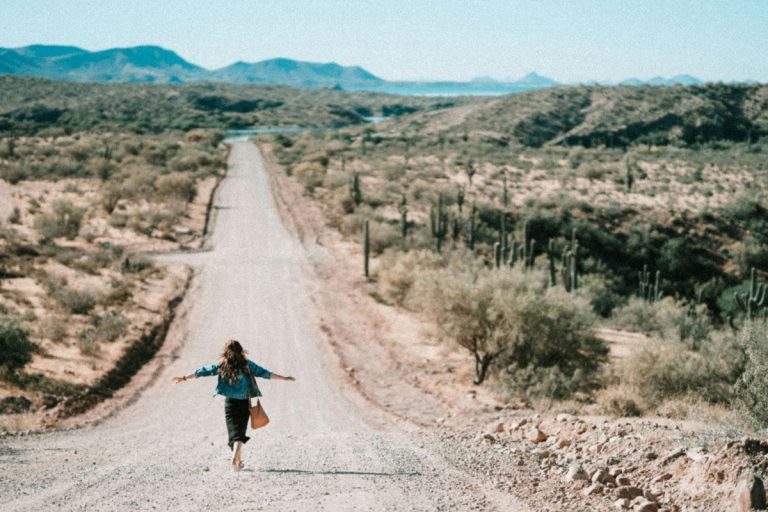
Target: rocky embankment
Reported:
point(566, 462)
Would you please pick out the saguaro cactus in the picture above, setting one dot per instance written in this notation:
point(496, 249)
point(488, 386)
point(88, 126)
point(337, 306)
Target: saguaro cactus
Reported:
point(503, 234)
point(569, 271)
point(512, 259)
point(551, 257)
point(404, 217)
point(471, 233)
point(530, 254)
point(460, 198)
point(650, 292)
point(504, 195)
point(438, 221)
point(354, 189)
point(754, 301)
point(366, 247)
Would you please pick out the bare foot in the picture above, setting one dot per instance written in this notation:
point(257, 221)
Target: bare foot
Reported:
point(237, 464)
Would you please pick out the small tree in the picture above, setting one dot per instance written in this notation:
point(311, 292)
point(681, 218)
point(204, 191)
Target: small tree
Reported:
point(463, 306)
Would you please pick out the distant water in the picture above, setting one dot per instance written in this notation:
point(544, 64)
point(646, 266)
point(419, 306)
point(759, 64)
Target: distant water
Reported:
point(447, 88)
point(246, 133)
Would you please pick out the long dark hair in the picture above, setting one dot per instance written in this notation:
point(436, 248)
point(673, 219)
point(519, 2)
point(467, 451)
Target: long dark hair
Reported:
point(232, 360)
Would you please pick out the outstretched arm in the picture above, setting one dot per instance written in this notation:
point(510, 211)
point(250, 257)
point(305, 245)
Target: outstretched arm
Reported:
point(205, 371)
point(282, 377)
point(176, 380)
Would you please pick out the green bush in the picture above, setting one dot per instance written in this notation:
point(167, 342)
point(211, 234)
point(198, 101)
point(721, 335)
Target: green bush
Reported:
point(752, 387)
point(666, 319)
point(663, 370)
point(64, 219)
point(15, 348)
point(541, 337)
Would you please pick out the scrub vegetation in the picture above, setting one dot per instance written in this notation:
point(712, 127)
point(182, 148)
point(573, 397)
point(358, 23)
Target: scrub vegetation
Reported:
point(526, 225)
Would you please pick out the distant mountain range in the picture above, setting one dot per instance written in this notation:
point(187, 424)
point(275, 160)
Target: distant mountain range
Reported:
point(147, 64)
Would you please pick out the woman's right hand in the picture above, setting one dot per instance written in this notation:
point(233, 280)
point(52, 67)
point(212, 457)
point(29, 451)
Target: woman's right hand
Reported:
point(176, 380)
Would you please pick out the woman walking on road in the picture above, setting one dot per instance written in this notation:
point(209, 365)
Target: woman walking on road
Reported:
point(237, 384)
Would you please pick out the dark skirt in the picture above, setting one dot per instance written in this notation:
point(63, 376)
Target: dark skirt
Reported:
point(237, 413)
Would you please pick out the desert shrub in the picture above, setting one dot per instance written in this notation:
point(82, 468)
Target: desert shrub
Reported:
point(383, 235)
point(15, 348)
point(750, 253)
point(158, 217)
point(77, 302)
point(639, 315)
point(88, 342)
point(309, 174)
point(602, 297)
point(136, 264)
point(397, 271)
point(110, 326)
point(176, 185)
point(666, 319)
point(620, 401)
point(662, 370)
point(64, 219)
point(53, 328)
point(751, 390)
point(15, 216)
point(541, 337)
point(117, 293)
point(554, 353)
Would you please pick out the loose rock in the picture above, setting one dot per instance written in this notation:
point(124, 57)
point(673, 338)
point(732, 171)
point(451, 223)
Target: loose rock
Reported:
point(628, 492)
point(750, 494)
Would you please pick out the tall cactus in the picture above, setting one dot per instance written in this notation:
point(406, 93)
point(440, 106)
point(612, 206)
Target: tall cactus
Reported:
point(530, 254)
point(366, 247)
point(753, 302)
point(569, 270)
point(354, 189)
point(460, 198)
point(524, 244)
point(650, 292)
point(471, 232)
point(504, 194)
point(497, 254)
point(404, 217)
point(438, 221)
point(551, 257)
point(503, 235)
point(455, 229)
point(512, 259)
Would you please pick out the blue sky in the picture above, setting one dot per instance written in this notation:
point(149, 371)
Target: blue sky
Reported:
point(570, 40)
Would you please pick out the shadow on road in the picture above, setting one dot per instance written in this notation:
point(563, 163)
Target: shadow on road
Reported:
point(338, 472)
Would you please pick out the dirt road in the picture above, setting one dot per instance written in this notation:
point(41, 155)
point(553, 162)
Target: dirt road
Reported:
point(167, 450)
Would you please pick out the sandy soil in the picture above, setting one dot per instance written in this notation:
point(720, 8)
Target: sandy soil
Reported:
point(327, 447)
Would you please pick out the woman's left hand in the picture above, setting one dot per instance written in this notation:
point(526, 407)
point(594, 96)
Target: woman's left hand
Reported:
point(176, 380)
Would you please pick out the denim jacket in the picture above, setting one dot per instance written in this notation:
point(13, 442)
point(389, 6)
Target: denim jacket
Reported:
point(240, 387)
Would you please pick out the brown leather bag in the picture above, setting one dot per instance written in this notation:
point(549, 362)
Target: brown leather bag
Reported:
point(259, 416)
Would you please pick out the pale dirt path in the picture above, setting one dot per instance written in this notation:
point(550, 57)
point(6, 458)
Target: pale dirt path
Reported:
point(167, 451)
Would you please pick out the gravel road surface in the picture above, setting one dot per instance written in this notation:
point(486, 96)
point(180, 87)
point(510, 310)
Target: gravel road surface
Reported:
point(167, 450)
